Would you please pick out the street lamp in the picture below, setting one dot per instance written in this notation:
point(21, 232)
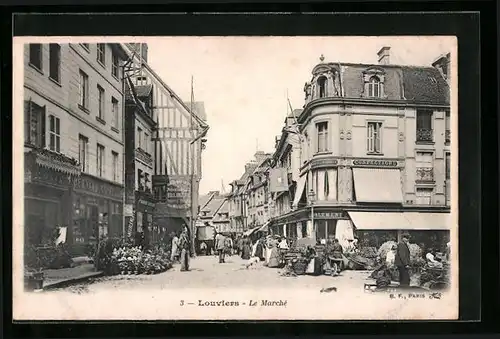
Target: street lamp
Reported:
point(312, 197)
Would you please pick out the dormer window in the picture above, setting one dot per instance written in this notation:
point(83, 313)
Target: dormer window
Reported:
point(322, 86)
point(374, 87)
point(374, 79)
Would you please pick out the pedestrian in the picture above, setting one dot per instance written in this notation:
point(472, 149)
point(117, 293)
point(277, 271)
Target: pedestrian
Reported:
point(175, 248)
point(228, 245)
point(246, 248)
point(402, 260)
point(219, 246)
point(184, 248)
point(203, 248)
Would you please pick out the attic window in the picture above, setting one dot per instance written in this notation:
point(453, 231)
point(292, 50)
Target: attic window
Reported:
point(322, 86)
point(374, 87)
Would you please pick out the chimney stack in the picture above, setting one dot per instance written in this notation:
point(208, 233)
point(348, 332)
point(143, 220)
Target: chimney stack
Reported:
point(383, 55)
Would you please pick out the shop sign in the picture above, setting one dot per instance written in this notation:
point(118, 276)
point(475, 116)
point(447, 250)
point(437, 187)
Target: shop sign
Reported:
point(375, 162)
point(329, 215)
point(128, 210)
point(179, 193)
point(91, 185)
point(324, 163)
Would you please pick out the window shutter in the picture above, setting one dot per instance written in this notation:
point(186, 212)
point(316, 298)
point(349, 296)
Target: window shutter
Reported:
point(42, 127)
point(370, 137)
point(27, 121)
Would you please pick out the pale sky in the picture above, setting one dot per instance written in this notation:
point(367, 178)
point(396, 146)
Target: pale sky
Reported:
point(243, 82)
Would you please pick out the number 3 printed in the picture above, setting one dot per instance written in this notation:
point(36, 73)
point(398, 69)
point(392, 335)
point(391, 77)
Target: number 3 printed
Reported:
point(182, 302)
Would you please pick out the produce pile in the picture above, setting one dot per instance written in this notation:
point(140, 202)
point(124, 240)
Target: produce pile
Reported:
point(133, 260)
point(433, 278)
point(385, 248)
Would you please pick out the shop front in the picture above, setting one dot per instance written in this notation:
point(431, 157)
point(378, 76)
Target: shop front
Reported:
point(48, 182)
point(144, 210)
point(426, 229)
point(98, 211)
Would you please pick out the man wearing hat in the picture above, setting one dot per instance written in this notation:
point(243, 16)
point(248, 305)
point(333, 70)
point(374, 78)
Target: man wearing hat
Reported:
point(402, 260)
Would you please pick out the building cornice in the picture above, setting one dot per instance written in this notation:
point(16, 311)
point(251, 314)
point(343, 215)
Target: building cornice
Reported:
point(366, 102)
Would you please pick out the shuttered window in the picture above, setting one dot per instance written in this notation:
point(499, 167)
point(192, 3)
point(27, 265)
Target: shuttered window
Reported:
point(374, 137)
point(34, 124)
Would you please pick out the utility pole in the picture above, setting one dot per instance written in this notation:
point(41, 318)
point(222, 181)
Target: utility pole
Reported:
point(192, 149)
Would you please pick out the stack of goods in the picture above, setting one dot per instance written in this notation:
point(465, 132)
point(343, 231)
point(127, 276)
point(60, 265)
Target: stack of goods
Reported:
point(133, 260)
point(365, 259)
point(435, 278)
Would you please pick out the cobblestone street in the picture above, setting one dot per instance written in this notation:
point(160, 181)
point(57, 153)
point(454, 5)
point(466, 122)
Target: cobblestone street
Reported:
point(206, 272)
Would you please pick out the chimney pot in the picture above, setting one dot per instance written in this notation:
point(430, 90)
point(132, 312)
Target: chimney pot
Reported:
point(383, 55)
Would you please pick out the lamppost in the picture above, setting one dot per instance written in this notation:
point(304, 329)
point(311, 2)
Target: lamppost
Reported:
point(312, 197)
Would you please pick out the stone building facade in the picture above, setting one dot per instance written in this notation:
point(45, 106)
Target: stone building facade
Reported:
point(375, 150)
point(74, 146)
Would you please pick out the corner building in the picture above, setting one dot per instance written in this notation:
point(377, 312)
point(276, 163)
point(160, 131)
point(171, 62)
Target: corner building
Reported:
point(375, 154)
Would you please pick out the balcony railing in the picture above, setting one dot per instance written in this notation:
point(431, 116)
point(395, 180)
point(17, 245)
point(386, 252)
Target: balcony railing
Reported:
point(447, 136)
point(425, 174)
point(424, 135)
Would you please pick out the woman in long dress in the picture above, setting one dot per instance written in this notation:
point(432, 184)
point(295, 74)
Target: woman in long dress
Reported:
point(245, 248)
point(184, 248)
point(273, 260)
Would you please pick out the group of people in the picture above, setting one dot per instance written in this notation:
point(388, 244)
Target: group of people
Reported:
point(180, 251)
point(399, 257)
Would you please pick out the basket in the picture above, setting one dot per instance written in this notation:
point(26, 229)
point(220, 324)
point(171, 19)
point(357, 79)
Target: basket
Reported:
point(299, 267)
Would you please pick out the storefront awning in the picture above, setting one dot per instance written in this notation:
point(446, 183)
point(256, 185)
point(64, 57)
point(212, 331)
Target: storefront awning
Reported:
point(250, 231)
point(380, 185)
point(408, 221)
point(301, 184)
point(264, 228)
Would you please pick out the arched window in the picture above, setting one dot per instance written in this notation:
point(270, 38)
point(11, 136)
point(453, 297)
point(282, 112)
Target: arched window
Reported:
point(322, 86)
point(374, 87)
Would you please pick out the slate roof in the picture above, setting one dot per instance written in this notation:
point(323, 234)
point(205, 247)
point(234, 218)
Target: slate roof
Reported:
point(426, 85)
point(419, 84)
point(204, 199)
point(213, 205)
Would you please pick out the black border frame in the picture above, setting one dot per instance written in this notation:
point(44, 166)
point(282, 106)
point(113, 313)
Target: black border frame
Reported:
point(476, 164)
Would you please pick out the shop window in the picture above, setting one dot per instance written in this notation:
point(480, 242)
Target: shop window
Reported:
point(304, 230)
point(116, 169)
point(115, 66)
point(100, 102)
point(83, 90)
point(374, 87)
point(100, 160)
point(423, 196)
point(101, 53)
point(36, 58)
point(424, 126)
point(55, 62)
point(34, 124)
point(54, 134)
point(374, 137)
point(322, 132)
point(83, 151)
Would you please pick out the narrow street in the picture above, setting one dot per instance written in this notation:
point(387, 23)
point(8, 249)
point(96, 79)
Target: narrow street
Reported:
point(206, 272)
point(230, 291)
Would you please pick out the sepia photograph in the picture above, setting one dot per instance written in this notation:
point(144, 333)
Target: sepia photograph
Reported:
point(221, 178)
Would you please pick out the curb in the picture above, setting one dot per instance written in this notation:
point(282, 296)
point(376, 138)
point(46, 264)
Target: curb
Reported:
point(69, 281)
